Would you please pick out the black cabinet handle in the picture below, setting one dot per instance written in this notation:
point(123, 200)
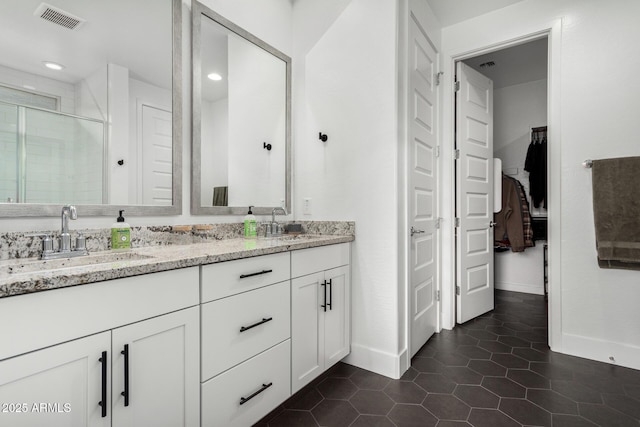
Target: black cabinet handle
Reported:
point(103, 402)
point(244, 400)
point(125, 393)
point(263, 321)
point(330, 295)
point(324, 285)
point(244, 276)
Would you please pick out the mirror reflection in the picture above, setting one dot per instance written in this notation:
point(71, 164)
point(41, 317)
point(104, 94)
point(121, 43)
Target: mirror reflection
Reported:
point(241, 106)
point(86, 93)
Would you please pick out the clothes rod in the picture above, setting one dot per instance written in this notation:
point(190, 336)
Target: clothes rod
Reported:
point(587, 163)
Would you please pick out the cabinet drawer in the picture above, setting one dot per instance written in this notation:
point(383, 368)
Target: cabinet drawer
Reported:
point(232, 277)
point(223, 343)
point(308, 261)
point(221, 396)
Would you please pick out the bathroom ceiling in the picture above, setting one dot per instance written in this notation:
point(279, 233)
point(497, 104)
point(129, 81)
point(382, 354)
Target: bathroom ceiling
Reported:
point(133, 34)
point(451, 12)
point(515, 65)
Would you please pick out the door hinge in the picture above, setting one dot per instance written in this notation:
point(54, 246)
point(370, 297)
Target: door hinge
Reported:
point(456, 86)
point(437, 295)
point(438, 75)
point(457, 290)
point(437, 151)
point(456, 154)
point(457, 222)
point(438, 222)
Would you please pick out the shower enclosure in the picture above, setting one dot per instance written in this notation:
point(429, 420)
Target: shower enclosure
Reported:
point(51, 157)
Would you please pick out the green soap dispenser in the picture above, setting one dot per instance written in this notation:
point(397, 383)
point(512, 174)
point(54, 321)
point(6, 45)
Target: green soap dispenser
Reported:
point(250, 227)
point(120, 234)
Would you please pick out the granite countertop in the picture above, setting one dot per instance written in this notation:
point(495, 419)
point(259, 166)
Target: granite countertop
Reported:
point(28, 275)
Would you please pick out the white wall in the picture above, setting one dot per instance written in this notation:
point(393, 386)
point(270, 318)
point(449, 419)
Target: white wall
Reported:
point(594, 311)
point(345, 86)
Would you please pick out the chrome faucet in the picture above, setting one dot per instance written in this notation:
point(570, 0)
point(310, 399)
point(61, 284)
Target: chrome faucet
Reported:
point(68, 212)
point(64, 244)
point(274, 229)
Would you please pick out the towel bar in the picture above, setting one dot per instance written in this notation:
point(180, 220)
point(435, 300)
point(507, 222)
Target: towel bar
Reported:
point(587, 163)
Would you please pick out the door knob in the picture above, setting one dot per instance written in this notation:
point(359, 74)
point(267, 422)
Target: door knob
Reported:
point(415, 231)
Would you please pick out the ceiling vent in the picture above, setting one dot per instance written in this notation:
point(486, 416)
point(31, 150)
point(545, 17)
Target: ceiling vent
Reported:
point(58, 16)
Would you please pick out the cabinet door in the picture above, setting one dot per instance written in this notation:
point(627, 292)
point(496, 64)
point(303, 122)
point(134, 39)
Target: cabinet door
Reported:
point(306, 354)
point(57, 386)
point(335, 327)
point(160, 359)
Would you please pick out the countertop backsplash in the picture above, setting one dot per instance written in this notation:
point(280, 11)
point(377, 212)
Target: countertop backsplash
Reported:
point(24, 245)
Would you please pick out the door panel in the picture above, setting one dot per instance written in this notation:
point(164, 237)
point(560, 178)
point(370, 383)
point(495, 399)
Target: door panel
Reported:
point(57, 387)
point(423, 66)
point(163, 371)
point(156, 157)
point(336, 318)
point(474, 184)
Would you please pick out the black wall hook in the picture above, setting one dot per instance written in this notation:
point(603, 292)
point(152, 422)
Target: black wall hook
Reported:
point(267, 146)
point(323, 137)
point(121, 162)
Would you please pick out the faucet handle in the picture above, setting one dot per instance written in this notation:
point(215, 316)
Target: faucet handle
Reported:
point(47, 242)
point(81, 242)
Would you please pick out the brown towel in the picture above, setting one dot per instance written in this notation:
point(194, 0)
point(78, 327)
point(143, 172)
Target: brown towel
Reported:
point(220, 196)
point(616, 212)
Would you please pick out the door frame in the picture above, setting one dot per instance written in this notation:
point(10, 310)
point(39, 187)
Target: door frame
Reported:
point(553, 32)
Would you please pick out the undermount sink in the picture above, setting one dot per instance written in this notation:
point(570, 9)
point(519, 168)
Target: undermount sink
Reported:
point(32, 266)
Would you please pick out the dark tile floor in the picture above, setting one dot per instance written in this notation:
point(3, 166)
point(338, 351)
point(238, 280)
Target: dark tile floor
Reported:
point(493, 371)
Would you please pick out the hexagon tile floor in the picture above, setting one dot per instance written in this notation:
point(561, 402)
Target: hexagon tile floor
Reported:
point(493, 371)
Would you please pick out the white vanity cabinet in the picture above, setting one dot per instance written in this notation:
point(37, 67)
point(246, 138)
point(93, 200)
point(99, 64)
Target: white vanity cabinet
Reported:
point(320, 311)
point(246, 330)
point(59, 379)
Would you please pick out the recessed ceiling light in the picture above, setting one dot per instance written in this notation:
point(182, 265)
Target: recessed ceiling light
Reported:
point(53, 65)
point(214, 76)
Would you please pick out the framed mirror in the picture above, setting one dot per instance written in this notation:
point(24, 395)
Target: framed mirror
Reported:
point(90, 107)
point(241, 119)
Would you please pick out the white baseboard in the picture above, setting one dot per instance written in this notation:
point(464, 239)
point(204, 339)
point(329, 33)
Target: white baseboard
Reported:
point(383, 363)
point(601, 350)
point(519, 287)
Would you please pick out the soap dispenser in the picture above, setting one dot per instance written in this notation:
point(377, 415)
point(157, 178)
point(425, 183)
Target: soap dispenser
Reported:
point(120, 234)
point(250, 228)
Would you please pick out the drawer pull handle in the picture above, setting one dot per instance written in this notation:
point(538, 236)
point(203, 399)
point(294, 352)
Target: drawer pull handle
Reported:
point(246, 328)
point(103, 389)
point(244, 400)
point(244, 276)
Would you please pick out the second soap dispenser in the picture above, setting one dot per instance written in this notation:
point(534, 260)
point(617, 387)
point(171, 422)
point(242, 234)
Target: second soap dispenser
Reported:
point(250, 225)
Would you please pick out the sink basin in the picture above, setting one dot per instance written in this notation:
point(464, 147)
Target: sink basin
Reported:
point(32, 266)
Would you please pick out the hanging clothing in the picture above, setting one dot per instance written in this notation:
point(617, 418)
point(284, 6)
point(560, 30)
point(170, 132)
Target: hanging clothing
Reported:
point(527, 223)
point(508, 221)
point(536, 165)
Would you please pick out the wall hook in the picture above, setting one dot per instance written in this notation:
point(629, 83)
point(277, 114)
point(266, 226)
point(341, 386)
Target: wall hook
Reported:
point(267, 146)
point(121, 162)
point(323, 137)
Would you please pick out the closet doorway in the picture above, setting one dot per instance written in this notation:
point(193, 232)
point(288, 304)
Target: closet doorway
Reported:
point(501, 112)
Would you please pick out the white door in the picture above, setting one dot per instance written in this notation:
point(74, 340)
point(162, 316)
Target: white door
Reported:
point(474, 193)
point(335, 328)
point(307, 359)
point(156, 159)
point(59, 386)
point(422, 133)
point(156, 364)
